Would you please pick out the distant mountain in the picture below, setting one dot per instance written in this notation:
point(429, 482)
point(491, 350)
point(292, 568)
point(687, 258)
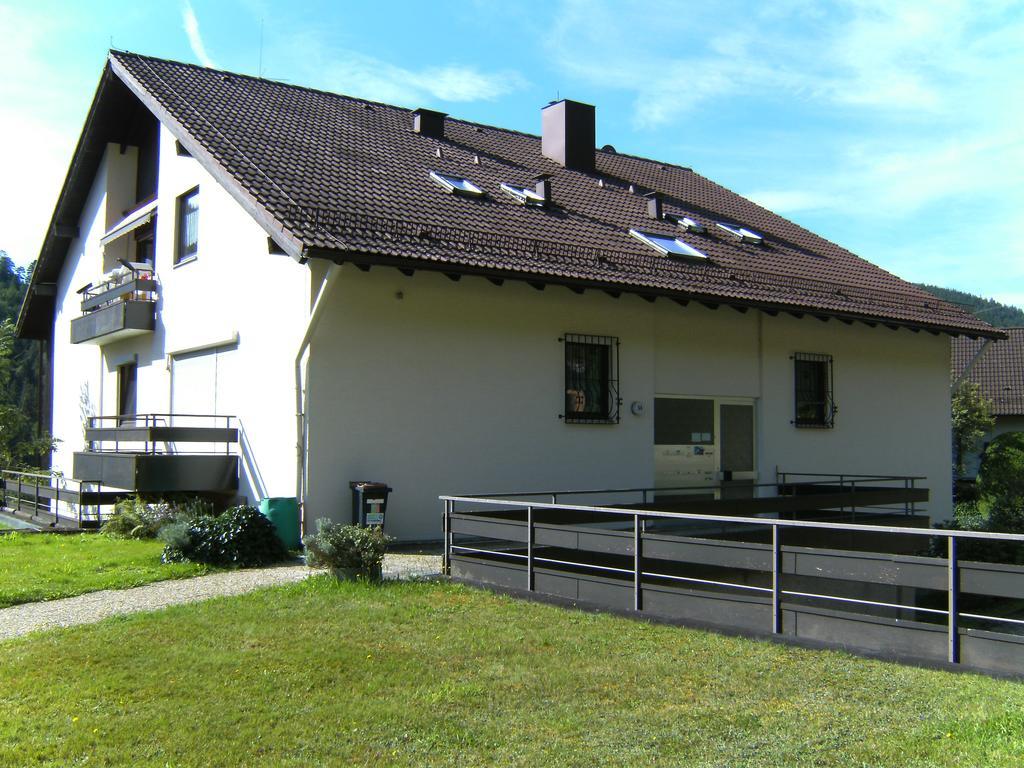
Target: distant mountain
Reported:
point(989, 310)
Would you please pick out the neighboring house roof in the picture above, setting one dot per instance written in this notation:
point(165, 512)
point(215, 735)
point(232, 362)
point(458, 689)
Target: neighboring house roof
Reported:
point(346, 179)
point(999, 371)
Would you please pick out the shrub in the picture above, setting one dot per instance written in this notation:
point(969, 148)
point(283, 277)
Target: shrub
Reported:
point(133, 518)
point(240, 536)
point(346, 547)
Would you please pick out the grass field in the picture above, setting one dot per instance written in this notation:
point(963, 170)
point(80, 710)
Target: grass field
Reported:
point(44, 566)
point(324, 674)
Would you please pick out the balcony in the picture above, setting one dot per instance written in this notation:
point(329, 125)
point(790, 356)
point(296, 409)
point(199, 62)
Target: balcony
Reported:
point(160, 453)
point(119, 308)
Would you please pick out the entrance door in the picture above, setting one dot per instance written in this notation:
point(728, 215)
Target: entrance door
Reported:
point(704, 441)
point(736, 467)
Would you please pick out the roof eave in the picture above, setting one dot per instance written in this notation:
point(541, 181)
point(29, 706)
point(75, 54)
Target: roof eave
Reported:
point(366, 259)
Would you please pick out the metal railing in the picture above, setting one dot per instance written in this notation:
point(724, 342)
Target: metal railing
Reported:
point(784, 485)
point(41, 493)
point(136, 283)
point(185, 428)
point(632, 521)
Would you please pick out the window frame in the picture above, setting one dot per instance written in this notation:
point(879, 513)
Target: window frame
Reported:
point(822, 403)
point(576, 349)
point(180, 256)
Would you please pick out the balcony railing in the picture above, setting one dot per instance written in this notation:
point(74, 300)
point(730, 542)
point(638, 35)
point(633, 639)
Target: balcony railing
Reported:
point(161, 453)
point(120, 307)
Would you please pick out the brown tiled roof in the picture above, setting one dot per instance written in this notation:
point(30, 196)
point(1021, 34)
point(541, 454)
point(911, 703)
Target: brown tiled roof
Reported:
point(348, 179)
point(999, 371)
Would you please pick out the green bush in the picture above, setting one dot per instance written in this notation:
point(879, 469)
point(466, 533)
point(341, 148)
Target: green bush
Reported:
point(240, 536)
point(347, 547)
point(140, 518)
point(133, 518)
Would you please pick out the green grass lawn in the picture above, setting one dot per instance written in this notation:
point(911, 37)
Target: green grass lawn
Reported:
point(325, 674)
point(44, 566)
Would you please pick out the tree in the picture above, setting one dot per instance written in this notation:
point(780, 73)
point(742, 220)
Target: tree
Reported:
point(1001, 482)
point(972, 418)
point(21, 445)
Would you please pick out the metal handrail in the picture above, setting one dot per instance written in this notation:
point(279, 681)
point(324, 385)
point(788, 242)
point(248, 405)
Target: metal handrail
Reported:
point(839, 479)
point(777, 526)
point(762, 521)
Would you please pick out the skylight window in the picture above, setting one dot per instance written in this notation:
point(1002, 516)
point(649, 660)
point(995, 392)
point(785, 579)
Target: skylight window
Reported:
point(524, 195)
point(744, 234)
point(457, 185)
point(664, 244)
point(686, 223)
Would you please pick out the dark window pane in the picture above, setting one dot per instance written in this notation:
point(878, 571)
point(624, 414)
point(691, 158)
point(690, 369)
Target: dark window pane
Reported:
point(812, 378)
point(188, 225)
point(684, 421)
point(587, 368)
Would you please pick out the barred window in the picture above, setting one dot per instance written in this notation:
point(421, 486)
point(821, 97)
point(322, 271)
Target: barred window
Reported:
point(188, 226)
point(812, 376)
point(591, 379)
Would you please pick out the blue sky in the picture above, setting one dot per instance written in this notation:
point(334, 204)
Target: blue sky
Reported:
point(894, 129)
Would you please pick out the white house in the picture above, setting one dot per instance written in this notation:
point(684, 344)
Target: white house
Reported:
point(382, 294)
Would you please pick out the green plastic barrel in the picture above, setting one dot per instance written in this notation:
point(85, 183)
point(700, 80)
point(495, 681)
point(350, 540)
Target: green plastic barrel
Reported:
point(283, 512)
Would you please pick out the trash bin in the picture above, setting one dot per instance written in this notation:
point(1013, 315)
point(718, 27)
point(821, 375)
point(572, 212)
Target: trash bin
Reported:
point(283, 512)
point(369, 502)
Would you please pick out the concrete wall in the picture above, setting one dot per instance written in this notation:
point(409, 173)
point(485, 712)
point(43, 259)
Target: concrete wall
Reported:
point(233, 289)
point(441, 387)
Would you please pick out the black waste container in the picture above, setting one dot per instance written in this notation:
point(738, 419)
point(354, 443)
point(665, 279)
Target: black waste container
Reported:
point(369, 502)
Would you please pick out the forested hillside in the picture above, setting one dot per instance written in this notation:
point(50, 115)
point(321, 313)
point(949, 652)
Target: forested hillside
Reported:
point(992, 312)
point(19, 374)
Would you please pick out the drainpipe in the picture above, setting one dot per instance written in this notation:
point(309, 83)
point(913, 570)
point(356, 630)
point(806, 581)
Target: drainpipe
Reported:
point(967, 371)
point(300, 415)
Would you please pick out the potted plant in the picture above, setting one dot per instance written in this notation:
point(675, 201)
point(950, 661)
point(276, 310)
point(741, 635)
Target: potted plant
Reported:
point(348, 550)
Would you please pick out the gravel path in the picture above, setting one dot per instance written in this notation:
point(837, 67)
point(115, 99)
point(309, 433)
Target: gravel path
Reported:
point(85, 609)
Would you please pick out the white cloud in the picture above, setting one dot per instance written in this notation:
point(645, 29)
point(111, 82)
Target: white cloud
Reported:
point(360, 75)
point(195, 39)
point(897, 122)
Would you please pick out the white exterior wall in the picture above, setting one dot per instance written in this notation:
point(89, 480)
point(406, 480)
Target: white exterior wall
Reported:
point(234, 287)
point(457, 387)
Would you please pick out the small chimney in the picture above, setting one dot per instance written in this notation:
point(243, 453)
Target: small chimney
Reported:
point(653, 205)
point(543, 188)
point(428, 122)
point(568, 135)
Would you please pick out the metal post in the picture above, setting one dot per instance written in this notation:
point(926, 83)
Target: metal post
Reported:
point(906, 499)
point(913, 504)
point(444, 538)
point(645, 497)
point(638, 596)
point(529, 549)
point(447, 564)
point(954, 602)
point(776, 580)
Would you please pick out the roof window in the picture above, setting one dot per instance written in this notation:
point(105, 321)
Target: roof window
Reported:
point(686, 223)
point(457, 185)
point(524, 195)
point(664, 244)
point(742, 233)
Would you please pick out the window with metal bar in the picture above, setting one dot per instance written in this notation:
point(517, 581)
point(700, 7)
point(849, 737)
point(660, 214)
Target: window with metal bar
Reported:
point(187, 246)
point(812, 377)
point(591, 379)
